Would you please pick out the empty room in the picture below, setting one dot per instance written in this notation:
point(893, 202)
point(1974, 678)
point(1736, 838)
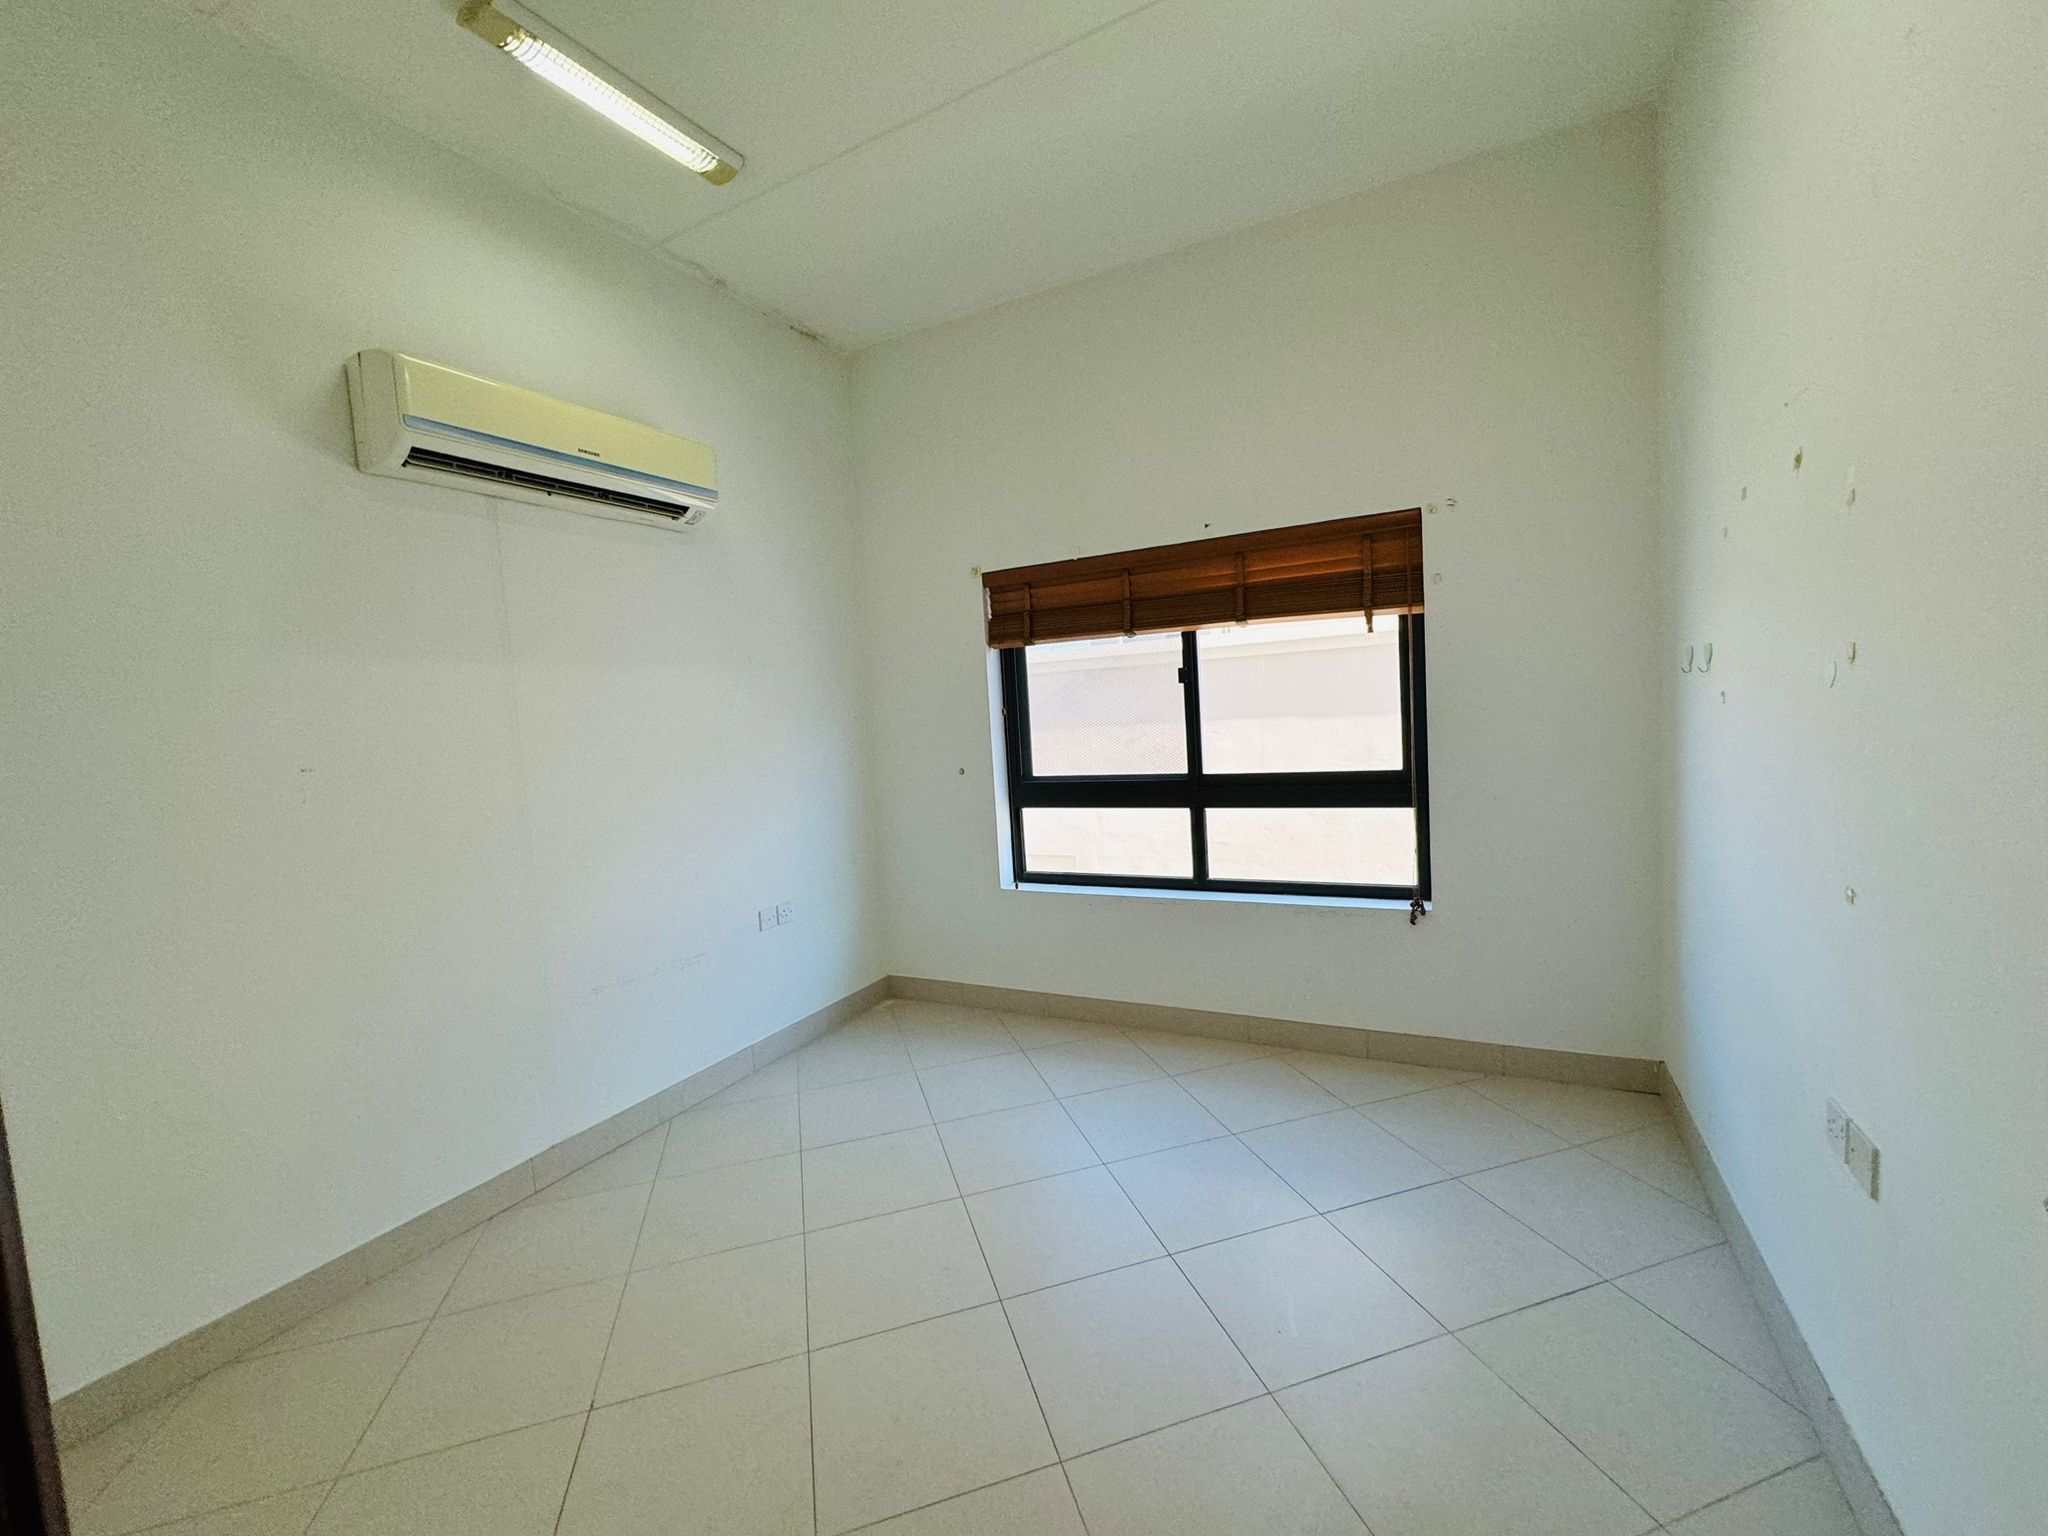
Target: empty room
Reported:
point(1072, 768)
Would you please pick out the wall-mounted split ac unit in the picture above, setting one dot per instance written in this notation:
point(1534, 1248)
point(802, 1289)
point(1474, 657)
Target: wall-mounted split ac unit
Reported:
point(420, 421)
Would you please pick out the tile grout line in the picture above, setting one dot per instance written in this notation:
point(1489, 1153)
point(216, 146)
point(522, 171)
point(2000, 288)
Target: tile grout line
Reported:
point(1736, 1493)
point(1041, 1178)
point(1583, 1290)
point(392, 1385)
point(1702, 1343)
point(1270, 1394)
point(803, 1216)
point(441, 1307)
point(1174, 1259)
point(618, 1310)
point(170, 1406)
point(1023, 1364)
point(218, 1509)
point(1556, 1428)
point(1576, 1258)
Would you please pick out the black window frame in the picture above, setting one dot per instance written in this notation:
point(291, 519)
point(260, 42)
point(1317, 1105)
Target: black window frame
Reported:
point(1199, 792)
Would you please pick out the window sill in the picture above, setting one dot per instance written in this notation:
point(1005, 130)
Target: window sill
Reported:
point(1257, 898)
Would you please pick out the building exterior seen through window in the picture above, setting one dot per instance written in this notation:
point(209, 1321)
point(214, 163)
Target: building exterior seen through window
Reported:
point(1281, 756)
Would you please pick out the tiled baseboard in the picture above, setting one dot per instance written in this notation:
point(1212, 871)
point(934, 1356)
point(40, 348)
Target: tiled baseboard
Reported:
point(1636, 1074)
point(1866, 1499)
point(157, 1375)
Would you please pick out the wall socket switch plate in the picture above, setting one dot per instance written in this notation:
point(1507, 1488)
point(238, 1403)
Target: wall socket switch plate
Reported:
point(1838, 1131)
point(767, 918)
point(785, 912)
point(1862, 1159)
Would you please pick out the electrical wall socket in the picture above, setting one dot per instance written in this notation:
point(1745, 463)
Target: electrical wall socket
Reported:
point(785, 912)
point(1838, 1131)
point(1862, 1159)
point(767, 918)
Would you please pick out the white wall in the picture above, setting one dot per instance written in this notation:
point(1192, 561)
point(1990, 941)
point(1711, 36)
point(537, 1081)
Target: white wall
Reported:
point(364, 838)
point(1485, 332)
point(1856, 220)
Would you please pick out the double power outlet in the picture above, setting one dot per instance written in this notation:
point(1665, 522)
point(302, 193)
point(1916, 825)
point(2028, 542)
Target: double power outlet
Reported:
point(775, 916)
point(1852, 1146)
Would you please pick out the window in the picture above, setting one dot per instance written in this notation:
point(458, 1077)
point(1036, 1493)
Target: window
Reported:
point(1284, 757)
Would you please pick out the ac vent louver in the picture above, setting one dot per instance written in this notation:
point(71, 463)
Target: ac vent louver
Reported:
point(421, 421)
point(526, 479)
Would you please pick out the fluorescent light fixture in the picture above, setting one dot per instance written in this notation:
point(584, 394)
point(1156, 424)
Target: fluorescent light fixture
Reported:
point(566, 65)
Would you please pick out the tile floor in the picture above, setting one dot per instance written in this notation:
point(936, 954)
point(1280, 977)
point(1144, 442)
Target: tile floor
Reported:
point(949, 1271)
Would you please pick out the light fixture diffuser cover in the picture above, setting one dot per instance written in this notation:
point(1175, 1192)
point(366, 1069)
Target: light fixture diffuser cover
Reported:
point(605, 88)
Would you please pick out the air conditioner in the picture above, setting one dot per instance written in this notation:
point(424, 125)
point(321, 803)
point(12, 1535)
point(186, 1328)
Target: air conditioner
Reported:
point(419, 421)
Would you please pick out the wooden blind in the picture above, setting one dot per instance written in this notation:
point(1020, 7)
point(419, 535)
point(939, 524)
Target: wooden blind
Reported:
point(1351, 565)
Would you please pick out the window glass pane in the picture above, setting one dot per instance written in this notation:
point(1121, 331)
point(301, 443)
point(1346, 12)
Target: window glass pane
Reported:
point(1109, 840)
point(1107, 706)
point(1301, 696)
point(1324, 845)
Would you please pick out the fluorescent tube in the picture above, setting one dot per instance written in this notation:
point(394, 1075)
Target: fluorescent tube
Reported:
point(568, 67)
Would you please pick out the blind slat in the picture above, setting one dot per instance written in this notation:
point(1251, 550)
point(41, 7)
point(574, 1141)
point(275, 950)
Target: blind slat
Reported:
point(1351, 565)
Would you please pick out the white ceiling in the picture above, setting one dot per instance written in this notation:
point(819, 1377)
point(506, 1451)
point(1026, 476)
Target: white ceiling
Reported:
point(910, 161)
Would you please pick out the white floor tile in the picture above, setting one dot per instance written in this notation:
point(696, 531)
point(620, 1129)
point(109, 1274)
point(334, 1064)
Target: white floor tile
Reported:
point(1428, 1442)
point(843, 1057)
point(1673, 1424)
point(769, 1079)
point(1595, 1212)
point(1241, 1470)
point(871, 1107)
point(544, 1247)
point(1254, 1093)
point(684, 1322)
point(1191, 1053)
point(282, 1514)
point(1656, 1155)
point(500, 1367)
point(1300, 1301)
point(1459, 1254)
point(721, 1208)
point(906, 1418)
point(1461, 1131)
point(1050, 1231)
point(1574, 1111)
point(979, 1086)
point(858, 1179)
point(881, 1019)
point(890, 1270)
point(1033, 1030)
point(712, 1459)
point(1036, 1504)
point(636, 1162)
point(91, 1464)
point(799, 1242)
point(1125, 1352)
point(717, 1134)
point(508, 1485)
point(1704, 1295)
point(1206, 1192)
point(1013, 1145)
point(258, 1427)
point(1141, 1117)
point(1086, 1066)
point(1802, 1502)
point(941, 1035)
point(411, 1293)
point(1356, 1080)
point(1340, 1159)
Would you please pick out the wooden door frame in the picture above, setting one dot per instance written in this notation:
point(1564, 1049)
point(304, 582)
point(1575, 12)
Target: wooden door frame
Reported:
point(31, 1483)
